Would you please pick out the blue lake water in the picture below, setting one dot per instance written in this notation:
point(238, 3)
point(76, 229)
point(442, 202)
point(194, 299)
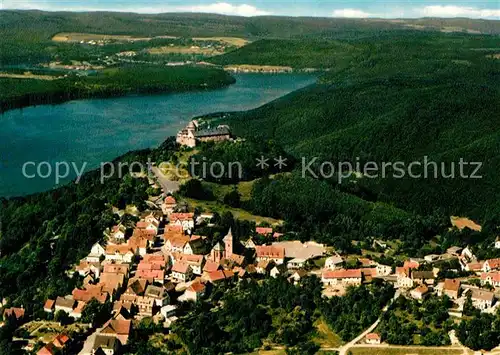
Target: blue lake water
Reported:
point(99, 130)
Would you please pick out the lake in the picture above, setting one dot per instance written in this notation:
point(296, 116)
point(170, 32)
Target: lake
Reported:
point(99, 130)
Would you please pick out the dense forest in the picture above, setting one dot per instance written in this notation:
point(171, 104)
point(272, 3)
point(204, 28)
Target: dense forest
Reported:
point(275, 311)
point(25, 35)
point(400, 99)
point(118, 81)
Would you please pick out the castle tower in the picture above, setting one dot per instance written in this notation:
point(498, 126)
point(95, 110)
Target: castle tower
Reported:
point(229, 244)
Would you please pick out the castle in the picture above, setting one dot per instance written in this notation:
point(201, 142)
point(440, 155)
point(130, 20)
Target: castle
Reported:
point(192, 134)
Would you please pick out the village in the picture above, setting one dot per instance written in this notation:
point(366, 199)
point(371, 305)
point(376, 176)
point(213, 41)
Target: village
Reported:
point(151, 269)
point(152, 263)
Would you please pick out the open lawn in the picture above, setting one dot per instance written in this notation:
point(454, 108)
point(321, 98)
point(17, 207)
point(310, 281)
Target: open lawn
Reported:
point(238, 213)
point(183, 50)
point(234, 41)
point(46, 331)
point(406, 351)
point(77, 37)
point(324, 336)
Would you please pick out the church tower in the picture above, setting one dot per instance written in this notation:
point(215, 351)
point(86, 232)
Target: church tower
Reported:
point(217, 253)
point(229, 244)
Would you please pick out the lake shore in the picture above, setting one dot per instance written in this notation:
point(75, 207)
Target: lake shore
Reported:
point(19, 93)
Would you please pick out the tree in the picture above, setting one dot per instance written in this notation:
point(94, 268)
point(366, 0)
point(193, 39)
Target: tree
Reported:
point(96, 313)
point(233, 198)
point(62, 317)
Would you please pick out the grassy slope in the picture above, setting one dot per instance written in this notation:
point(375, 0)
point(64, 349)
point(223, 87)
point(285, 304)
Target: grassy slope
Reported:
point(400, 99)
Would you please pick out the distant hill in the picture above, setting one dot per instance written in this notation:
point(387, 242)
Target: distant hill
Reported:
point(25, 35)
point(398, 99)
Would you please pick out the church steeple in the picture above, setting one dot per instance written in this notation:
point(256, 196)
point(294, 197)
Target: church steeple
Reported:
point(229, 244)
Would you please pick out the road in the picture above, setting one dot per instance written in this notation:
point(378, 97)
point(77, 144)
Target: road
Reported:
point(343, 350)
point(167, 185)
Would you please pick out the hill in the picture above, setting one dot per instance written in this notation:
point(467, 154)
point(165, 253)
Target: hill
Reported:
point(399, 99)
point(26, 35)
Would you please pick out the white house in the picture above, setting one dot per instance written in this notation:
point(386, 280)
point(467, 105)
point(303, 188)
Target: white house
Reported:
point(372, 338)
point(384, 270)
point(181, 271)
point(346, 277)
point(95, 253)
point(296, 263)
point(186, 220)
point(482, 299)
point(334, 262)
point(168, 311)
point(491, 278)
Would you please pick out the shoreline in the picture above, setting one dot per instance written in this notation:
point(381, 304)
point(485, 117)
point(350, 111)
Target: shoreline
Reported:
point(60, 97)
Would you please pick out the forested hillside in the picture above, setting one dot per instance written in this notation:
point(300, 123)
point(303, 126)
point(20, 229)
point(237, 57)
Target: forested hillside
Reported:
point(25, 36)
point(400, 99)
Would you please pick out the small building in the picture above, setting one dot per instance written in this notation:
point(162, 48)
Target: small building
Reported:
point(419, 292)
point(17, 313)
point(490, 278)
point(497, 243)
point(96, 252)
point(372, 338)
point(168, 205)
point(49, 305)
point(297, 276)
point(270, 253)
point(278, 270)
point(383, 270)
point(194, 292)
point(423, 277)
point(346, 277)
point(181, 271)
point(168, 311)
point(451, 288)
point(64, 304)
point(186, 220)
point(296, 263)
point(334, 262)
point(491, 264)
point(482, 299)
point(403, 278)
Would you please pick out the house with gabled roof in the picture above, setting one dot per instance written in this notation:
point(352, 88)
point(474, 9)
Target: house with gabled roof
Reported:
point(117, 328)
point(49, 305)
point(346, 277)
point(168, 205)
point(15, 312)
point(64, 304)
point(491, 264)
point(96, 252)
point(270, 253)
point(482, 299)
point(219, 275)
point(84, 268)
point(451, 288)
point(152, 276)
point(194, 292)
point(264, 231)
point(123, 253)
point(490, 278)
point(181, 271)
point(117, 269)
point(334, 262)
point(186, 220)
point(195, 261)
